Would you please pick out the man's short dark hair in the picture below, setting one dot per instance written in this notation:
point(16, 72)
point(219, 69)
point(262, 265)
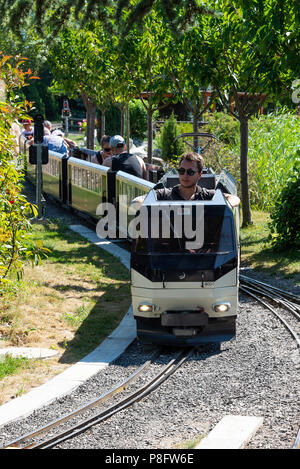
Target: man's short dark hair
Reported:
point(105, 139)
point(193, 156)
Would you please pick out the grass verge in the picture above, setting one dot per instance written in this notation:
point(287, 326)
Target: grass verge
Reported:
point(70, 303)
point(256, 253)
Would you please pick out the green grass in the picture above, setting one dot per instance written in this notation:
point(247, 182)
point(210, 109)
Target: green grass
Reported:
point(10, 365)
point(78, 287)
point(256, 251)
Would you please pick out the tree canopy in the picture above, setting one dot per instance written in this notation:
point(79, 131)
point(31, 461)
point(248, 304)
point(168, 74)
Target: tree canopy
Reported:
point(115, 14)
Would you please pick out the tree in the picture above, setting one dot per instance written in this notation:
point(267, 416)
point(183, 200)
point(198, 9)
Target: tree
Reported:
point(56, 13)
point(170, 147)
point(185, 63)
point(144, 65)
point(78, 66)
point(246, 53)
point(251, 66)
point(33, 47)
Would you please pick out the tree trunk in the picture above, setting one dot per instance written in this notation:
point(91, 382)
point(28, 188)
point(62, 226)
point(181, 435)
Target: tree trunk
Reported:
point(150, 133)
point(244, 172)
point(195, 129)
point(102, 128)
point(90, 107)
point(127, 126)
point(122, 121)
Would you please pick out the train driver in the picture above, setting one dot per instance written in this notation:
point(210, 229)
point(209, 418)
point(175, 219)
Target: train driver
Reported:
point(190, 169)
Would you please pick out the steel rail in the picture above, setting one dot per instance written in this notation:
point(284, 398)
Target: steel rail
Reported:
point(99, 400)
point(280, 300)
point(169, 369)
point(284, 293)
point(297, 441)
point(291, 330)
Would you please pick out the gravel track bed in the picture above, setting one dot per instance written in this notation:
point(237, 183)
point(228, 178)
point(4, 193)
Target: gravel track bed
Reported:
point(257, 374)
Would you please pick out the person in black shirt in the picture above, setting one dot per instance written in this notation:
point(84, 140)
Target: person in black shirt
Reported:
point(105, 151)
point(124, 161)
point(190, 171)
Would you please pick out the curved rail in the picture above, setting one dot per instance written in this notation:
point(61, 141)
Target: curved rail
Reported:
point(170, 368)
point(99, 400)
point(288, 301)
point(285, 299)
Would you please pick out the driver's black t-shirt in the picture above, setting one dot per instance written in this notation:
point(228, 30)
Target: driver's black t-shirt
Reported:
point(174, 194)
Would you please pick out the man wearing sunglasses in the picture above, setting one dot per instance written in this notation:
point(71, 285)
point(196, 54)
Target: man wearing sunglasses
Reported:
point(104, 152)
point(121, 160)
point(190, 171)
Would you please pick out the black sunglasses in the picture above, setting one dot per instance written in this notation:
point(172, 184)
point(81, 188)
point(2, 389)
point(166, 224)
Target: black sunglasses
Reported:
point(106, 149)
point(189, 171)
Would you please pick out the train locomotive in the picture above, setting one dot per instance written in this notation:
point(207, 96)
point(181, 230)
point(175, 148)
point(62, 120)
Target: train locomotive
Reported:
point(184, 289)
point(182, 294)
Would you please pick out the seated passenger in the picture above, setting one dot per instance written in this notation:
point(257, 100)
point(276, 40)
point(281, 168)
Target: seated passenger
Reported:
point(28, 130)
point(47, 128)
point(121, 160)
point(56, 142)
point(190, 171)
point(104, 152)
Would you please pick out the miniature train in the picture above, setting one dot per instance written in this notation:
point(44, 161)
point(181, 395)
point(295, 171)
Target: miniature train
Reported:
point(182, 293)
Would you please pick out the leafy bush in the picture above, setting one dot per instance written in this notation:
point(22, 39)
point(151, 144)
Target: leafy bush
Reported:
point(138, 119)
point(112, 121)
point(224, 126)
point(14, 208)
point(285, 216)
point(171, 148)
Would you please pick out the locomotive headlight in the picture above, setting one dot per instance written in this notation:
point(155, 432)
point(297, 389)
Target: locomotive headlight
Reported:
point(145, 308)
point(221, 307)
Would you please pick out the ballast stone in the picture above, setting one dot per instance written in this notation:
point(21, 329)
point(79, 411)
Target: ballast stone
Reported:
point(232, 432)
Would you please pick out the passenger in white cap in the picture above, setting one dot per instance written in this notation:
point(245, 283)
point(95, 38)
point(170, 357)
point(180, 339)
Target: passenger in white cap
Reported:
point(121, 160)
point(58, 142)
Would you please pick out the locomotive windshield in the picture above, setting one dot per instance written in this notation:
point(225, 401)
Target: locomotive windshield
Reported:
point(217, 236)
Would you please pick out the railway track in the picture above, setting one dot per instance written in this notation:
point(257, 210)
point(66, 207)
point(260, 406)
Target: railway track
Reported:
point(270, 294)
point(30, 441)
point(273, 295)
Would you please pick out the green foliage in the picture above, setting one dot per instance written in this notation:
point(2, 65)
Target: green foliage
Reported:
point(138, 119)
point(112, 121)
point(224, 126)
point(10, 365)
point(171, 148)
point(285, 216)
point(273, 144)
point(14, 208)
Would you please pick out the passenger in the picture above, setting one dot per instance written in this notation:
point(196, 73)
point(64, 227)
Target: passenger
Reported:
point(104, 152)
point(28, 130)
point(190, 171)
point(47, 128)
point(58, 133)
point(121, 160)
point(56, 142)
